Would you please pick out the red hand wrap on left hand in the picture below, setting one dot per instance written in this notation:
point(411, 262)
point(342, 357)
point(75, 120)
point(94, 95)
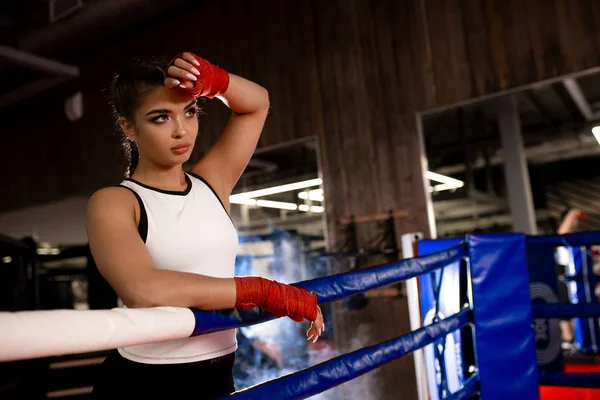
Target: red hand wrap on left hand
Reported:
point(213, 81)
point(276, 298)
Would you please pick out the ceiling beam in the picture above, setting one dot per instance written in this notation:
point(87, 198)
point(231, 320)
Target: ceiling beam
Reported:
point(535, 103)
point(30, 89)
point(574, 90)
point(28, 60)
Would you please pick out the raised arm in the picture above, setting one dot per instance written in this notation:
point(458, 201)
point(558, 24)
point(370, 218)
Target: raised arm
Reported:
point(225, 162)
point(570, 221)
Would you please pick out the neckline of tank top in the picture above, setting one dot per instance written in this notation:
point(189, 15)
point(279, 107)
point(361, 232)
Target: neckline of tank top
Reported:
point(163, 191)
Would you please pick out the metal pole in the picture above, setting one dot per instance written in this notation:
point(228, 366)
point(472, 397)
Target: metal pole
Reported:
point(515, 167)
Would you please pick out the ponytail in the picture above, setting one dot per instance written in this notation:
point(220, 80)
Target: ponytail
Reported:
point(132, 155)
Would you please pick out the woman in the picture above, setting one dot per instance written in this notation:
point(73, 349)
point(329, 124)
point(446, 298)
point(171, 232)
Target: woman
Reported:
point(164, 237)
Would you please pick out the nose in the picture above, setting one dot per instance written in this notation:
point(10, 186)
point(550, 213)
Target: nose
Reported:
point(179, 130)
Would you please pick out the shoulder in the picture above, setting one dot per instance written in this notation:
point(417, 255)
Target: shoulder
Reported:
point(112, 201)
point(210, 183)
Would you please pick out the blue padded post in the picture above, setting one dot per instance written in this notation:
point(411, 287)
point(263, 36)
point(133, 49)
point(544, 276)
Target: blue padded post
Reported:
point(503, 316)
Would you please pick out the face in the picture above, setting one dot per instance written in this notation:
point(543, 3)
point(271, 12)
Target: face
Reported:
point(165, 127)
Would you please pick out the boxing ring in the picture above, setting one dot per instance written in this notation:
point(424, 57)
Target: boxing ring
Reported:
point(480, 330)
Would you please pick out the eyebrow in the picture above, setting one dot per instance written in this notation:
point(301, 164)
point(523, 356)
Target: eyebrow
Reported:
point(166, 111)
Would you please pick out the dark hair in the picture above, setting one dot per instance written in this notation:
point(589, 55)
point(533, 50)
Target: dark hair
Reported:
point(127, 91)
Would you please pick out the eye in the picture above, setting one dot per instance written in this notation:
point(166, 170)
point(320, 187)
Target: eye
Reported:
point(191, 112)
point(160, 118)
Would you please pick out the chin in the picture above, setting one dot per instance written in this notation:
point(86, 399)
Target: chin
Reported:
point(181, 159)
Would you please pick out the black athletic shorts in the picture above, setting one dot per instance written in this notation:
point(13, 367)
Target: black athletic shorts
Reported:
point(202, 380)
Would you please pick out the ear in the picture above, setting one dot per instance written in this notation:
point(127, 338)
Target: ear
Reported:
point(128, 128)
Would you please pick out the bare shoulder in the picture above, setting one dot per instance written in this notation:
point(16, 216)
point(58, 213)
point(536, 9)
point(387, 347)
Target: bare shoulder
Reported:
point(112, 202)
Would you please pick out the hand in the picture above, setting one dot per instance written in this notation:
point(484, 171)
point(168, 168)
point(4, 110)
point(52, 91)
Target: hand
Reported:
point(571, 221)
point(317, 327)
point(182, 72)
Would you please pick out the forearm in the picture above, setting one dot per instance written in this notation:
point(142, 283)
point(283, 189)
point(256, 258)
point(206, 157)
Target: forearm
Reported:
point(157, 288)
point(182, 289)
point(245, 97)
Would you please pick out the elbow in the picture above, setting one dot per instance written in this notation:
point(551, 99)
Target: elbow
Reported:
point(265, 102)
point(140, 295)
point(132, 300)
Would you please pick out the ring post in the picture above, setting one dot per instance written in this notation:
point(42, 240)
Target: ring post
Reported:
point(503, 317)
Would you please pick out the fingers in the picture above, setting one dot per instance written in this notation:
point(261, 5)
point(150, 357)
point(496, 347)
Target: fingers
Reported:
point(172, 82)
point(315, 331)
point(187, 85)
point(312, 334)
point(190, 58)
point(180, 73)
point(183, 72)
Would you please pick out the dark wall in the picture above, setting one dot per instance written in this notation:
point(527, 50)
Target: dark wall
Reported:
point(353, 73)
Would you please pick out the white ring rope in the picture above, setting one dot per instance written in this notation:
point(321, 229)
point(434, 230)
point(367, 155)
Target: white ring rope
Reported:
point(36, 334)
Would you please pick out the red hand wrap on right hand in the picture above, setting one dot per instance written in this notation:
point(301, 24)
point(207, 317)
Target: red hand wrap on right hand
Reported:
point(276, 298)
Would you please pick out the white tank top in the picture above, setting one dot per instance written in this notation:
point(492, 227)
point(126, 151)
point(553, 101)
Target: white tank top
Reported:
point(187, 231)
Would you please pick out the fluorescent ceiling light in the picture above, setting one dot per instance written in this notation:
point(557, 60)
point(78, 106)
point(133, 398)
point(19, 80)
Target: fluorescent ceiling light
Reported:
point(277, 189)
point(306, 208)
point(314, 195)
point(242, 200)
point(596, 133)
point(447, 183)
point(277, 204)
point(444, 186)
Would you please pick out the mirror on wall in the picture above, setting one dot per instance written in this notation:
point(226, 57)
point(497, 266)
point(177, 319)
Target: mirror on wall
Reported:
point(278, 208)
point(465, 148)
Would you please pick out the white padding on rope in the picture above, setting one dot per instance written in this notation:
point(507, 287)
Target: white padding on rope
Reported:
point(35, 334)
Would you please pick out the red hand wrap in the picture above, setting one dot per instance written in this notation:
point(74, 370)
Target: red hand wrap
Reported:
point(276, 298)
point(213, 81)
point(581, 215)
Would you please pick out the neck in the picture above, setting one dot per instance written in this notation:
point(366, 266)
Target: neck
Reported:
point(166, 178)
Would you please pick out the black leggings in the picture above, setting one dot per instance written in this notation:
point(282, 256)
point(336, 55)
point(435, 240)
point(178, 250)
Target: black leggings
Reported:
point(123, 378)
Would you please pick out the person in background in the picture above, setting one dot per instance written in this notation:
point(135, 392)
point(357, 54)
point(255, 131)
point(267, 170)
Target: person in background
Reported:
point(569, 223)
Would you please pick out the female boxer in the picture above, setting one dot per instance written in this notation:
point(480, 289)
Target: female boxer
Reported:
point(164, 237)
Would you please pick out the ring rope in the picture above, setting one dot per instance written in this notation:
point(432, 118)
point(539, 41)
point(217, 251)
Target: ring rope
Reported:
point(571, 240)
point(336, 371)
point(557, 310)
point(335, 287)
point(578, 380)
point(44, 333)
point(470, 388)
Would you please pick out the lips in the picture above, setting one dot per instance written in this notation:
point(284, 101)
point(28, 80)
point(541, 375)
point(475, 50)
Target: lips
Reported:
point(180, 148)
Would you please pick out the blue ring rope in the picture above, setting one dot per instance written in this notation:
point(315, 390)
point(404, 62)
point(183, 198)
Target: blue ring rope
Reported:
point(334, 287)
point(470, 388)
point(581, 380)
point(557, 310)
point(572, 240)
point(326, 375)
